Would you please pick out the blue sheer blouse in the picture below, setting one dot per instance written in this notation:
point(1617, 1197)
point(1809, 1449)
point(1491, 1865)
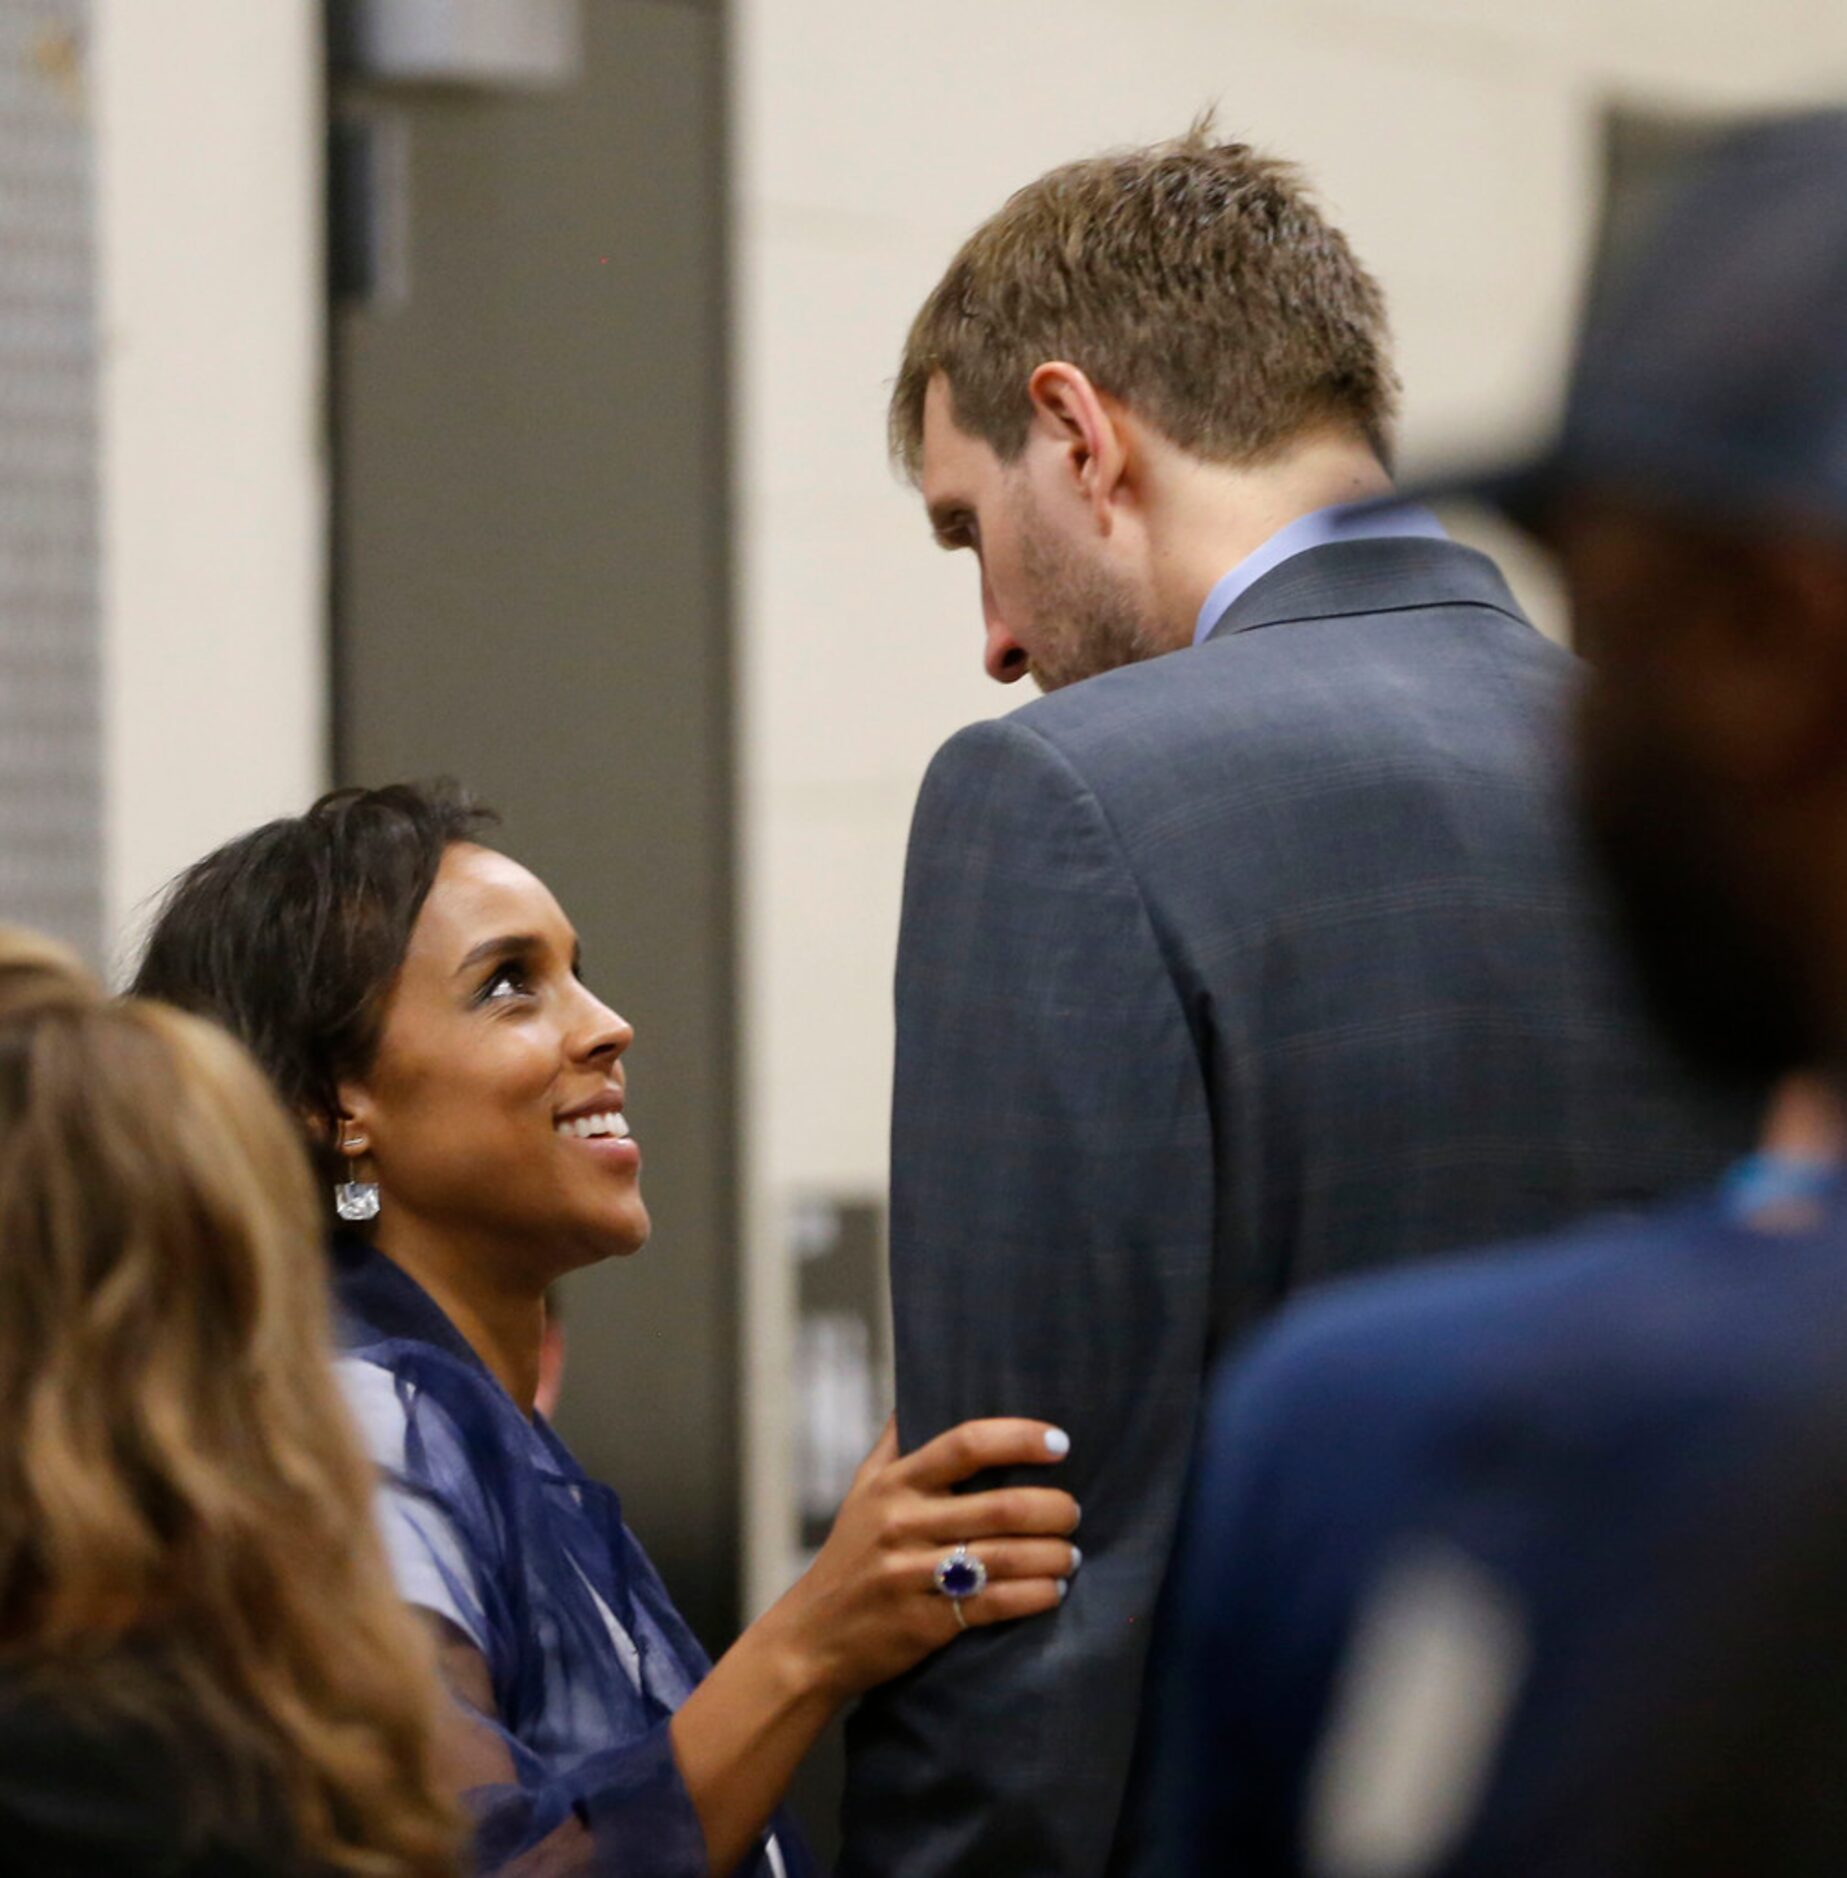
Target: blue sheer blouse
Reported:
point(491, 1523)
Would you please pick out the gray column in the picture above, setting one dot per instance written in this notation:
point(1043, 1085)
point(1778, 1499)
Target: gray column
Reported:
point(50, 672)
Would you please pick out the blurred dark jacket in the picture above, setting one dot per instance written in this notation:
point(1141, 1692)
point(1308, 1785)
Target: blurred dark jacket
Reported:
point(83, 1799)
point(1592, 1453)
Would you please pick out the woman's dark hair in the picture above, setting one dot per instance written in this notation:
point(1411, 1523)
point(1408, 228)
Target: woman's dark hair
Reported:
point(291, 936)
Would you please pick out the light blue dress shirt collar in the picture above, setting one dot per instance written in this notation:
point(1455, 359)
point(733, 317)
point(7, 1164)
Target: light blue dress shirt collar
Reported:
point(1347, 521)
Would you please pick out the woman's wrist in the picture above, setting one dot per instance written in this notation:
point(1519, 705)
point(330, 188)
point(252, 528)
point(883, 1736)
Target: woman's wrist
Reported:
point(740, 1735)
point(794, 1660)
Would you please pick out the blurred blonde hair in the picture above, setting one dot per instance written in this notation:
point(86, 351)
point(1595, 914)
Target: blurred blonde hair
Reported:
point(186, 1538)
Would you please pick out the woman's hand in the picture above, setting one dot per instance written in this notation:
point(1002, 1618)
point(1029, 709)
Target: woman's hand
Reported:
point(868, 1607)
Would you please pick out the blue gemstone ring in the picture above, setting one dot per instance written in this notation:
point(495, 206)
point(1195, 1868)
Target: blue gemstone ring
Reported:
point(959, 1576)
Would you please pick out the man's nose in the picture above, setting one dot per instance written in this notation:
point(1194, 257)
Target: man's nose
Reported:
point(1005, 658)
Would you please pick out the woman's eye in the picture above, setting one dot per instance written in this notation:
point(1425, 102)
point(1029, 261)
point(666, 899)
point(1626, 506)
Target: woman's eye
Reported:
point(509, 982)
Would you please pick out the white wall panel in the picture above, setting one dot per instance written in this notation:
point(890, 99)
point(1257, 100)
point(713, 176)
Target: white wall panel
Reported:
point(209, 149)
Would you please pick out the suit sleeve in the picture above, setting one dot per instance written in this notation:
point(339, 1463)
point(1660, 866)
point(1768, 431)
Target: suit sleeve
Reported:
point(1052, 1208)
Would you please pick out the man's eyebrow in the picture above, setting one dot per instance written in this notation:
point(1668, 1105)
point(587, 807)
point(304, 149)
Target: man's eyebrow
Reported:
point(512, 945)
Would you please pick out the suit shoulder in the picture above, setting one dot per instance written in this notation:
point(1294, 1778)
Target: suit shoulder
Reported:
point(1006, 763)
point(1419, 683)
point(994, 739)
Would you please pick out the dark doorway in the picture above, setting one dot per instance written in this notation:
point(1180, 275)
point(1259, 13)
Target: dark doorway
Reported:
point(529, 475)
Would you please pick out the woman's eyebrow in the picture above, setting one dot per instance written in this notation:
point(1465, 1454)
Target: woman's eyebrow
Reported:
point(505, 946)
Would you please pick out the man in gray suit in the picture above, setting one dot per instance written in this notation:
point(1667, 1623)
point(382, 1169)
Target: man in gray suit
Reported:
point(1260, 955)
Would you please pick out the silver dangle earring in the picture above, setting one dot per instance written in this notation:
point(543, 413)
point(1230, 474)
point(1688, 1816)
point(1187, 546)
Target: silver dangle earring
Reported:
point(356, 1201)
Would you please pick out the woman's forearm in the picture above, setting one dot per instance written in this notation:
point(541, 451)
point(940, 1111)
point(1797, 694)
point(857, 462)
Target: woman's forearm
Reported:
point(742, 1733)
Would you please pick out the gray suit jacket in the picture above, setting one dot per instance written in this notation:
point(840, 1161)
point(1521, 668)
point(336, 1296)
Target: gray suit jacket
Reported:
point(1221, 974)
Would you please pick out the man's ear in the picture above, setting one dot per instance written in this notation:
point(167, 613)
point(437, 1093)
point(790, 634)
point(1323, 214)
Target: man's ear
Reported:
point(1088, 430)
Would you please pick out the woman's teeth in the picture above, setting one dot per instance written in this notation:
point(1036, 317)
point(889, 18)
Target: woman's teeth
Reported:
point(584, 1126)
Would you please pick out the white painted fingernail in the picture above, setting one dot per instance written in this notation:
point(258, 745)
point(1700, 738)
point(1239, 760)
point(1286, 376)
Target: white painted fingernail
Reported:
point(1057, 1442)
point(1064, 1585)
point(1077, 1558)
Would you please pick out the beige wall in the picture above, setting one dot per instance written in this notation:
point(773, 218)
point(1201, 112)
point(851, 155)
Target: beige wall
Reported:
point(1456, 140)
point(208, 143)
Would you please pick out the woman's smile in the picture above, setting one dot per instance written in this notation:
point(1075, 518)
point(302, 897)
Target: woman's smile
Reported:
point(603, 1130)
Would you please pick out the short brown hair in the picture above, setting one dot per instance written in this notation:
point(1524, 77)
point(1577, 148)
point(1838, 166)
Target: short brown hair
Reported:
point(1194, 280)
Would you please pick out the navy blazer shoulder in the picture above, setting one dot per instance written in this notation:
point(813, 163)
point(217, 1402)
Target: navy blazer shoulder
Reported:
point(1572, 1419)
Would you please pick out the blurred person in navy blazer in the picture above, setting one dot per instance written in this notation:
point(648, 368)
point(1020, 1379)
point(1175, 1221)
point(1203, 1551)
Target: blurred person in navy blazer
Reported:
point(1719, 1742)
point(1260, 949)
point(1461, 1539)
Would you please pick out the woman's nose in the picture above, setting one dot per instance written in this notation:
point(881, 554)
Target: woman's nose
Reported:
point(602, 1032)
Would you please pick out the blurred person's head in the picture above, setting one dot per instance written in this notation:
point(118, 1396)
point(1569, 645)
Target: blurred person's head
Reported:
point(186, 1543)
point(1131, 375)
point(1715, 770)
point(417, 998)
point(1698, 495)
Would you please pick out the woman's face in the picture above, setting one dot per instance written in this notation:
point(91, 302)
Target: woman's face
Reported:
point(494, 1112)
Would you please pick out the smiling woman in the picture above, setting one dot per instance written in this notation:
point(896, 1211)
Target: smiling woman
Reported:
point(418, 999)
point(492, 1110)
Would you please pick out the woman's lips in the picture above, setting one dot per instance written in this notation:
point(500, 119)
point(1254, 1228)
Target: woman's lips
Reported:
point(612, 1150)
